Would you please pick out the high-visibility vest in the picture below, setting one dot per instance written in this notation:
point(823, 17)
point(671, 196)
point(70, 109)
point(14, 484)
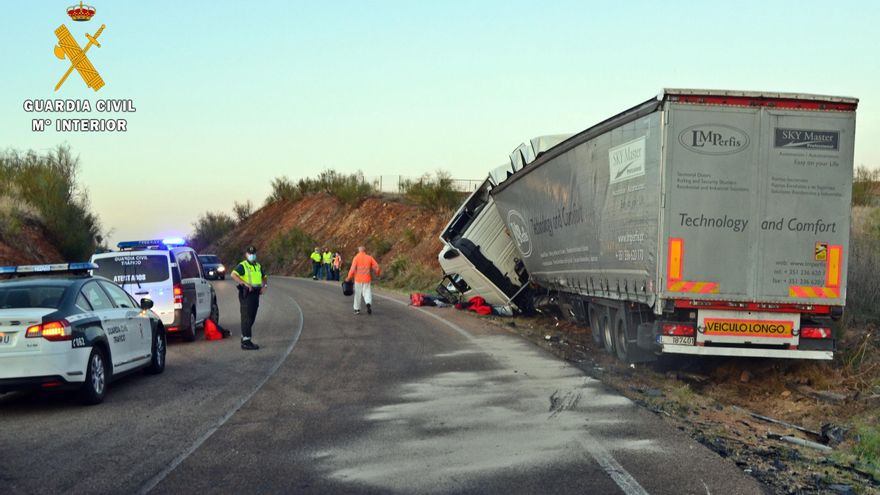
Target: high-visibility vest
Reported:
point(253, 274)
point(316, 257)
point(328, 257)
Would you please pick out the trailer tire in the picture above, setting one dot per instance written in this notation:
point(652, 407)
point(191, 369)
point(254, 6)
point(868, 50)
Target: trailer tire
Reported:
point(621, 342)
point(607, 333)
point(594, 326)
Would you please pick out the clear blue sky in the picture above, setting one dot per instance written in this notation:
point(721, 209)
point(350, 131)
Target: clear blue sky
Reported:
point(232, 94)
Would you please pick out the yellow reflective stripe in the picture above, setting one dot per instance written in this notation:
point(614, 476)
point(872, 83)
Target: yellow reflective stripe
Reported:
point(832, 271)
point(676, 253)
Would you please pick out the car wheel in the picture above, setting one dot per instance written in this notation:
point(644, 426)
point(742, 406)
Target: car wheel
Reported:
point(215, 312)
point(159, 348)
point(607, 333)
point(95, 386)
point(189, 334)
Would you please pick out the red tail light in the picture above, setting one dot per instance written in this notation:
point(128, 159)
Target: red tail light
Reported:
point(54, 331)
point(815, 333)
point(178, 295)
point(678, 329)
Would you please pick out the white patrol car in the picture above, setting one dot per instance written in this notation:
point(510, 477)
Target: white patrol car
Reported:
point(62, 328)
point(170, 274)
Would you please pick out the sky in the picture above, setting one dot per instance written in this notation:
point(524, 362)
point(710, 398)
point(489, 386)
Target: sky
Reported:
point(229, 95)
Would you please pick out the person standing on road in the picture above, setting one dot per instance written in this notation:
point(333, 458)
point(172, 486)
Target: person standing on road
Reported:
point(327, 259)
point(252, 283)
point(337, 266)
point(362, 267)
point(316, 263)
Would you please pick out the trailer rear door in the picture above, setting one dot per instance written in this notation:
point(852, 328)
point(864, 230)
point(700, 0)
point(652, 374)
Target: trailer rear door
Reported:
point(757, 202)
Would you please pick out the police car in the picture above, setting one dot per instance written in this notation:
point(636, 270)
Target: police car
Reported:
point(60, 327)
point(169, 273)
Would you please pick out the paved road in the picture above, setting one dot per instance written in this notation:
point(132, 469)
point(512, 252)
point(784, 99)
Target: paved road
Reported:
point(406, 400)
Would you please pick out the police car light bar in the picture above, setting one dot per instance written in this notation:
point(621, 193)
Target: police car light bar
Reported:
point(54, 268)
point(151, 243)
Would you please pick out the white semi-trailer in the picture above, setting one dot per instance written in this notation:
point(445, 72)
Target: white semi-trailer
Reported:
point(698, 222)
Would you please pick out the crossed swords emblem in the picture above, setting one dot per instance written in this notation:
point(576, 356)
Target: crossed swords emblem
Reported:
point(67, 46)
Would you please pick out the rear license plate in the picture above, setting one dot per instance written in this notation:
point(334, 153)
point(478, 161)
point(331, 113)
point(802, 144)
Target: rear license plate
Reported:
point(677, 340)
point(5, 338)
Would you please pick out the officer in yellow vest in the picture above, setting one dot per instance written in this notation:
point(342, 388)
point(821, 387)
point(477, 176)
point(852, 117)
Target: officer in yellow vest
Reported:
point(316, 263)
point(252, 283)
point(327, 263)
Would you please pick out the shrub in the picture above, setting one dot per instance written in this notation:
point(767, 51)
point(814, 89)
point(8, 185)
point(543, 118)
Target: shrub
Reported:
point(210, 228)
point(865, 186)
point(242, 211)
point(47, 184)
point(403, 274)
point(377, 246)
point(350, 189)
point(433, 193)
point(288, 250)
point(411, 237)
point(863, 285)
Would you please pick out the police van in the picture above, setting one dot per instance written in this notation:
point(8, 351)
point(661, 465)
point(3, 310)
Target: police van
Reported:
point(61, 328)
point(169, 273)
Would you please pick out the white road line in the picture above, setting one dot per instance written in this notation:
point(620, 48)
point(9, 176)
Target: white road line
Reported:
point(606, 461)
point(161, 475)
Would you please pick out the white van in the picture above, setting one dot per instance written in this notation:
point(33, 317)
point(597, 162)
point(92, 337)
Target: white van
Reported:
point(170, 274)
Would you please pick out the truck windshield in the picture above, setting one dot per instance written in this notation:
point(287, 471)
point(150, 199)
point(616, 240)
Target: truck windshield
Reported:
point(134, 268)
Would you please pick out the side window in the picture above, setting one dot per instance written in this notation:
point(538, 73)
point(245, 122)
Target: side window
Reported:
point(189, 267)
point(96, 297)
point(82, 302)
point(119, 296)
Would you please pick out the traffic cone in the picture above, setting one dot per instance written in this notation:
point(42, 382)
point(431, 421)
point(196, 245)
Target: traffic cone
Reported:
point(211, 332)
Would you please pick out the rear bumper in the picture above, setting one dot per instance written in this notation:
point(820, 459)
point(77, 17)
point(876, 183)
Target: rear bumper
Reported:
point(746, 352)
point(35, 382)
point(68, 364)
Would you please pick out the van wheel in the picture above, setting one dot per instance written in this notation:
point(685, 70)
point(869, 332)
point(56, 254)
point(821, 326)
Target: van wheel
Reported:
point(621, 343)
point(189, 334)
point(157, 361)
point(607, 333)
point(95, 387)
point(215, 312)
point(594, 326)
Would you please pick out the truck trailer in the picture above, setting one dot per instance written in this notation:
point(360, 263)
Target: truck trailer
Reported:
point(698, 222)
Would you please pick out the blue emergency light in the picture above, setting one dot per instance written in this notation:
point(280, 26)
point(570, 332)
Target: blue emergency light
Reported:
point(53, 268)
point(151, 243)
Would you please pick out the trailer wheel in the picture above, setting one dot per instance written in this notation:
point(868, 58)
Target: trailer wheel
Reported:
point(594, 326)
point(607, 333)
point(621, 342)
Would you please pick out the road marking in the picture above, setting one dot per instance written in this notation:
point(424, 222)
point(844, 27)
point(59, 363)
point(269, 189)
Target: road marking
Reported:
point(605, 459)
point(148, 486)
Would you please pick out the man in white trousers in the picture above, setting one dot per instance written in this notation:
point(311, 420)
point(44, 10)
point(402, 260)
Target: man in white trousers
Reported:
point(362, 267)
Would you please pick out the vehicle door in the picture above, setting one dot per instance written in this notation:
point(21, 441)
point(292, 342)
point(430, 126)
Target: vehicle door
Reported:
point(114, 323)
point(139, 335)
point(196, 290)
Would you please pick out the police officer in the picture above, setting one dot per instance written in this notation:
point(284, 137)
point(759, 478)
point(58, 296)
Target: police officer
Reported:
point(252, 283)
point(316, 263)
point(327, 263)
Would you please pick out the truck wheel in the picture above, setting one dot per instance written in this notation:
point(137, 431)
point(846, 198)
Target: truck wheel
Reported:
point(594, 326)
point(621, 343)
point(607, 333)
point(189, 334)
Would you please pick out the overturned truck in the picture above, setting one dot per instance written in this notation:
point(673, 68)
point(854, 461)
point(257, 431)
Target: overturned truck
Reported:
point(698, 222)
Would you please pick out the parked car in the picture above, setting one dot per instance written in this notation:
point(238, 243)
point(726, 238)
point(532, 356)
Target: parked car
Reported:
point(62, 328)
point(214, 269)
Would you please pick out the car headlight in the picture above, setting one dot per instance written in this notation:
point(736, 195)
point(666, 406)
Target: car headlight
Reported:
point(221, 268)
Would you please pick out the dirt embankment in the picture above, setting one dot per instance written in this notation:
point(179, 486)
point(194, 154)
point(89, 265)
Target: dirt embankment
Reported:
point(389, 228)
point(28, 245)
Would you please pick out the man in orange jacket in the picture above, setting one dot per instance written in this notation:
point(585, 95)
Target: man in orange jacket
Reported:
point(362, 267)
